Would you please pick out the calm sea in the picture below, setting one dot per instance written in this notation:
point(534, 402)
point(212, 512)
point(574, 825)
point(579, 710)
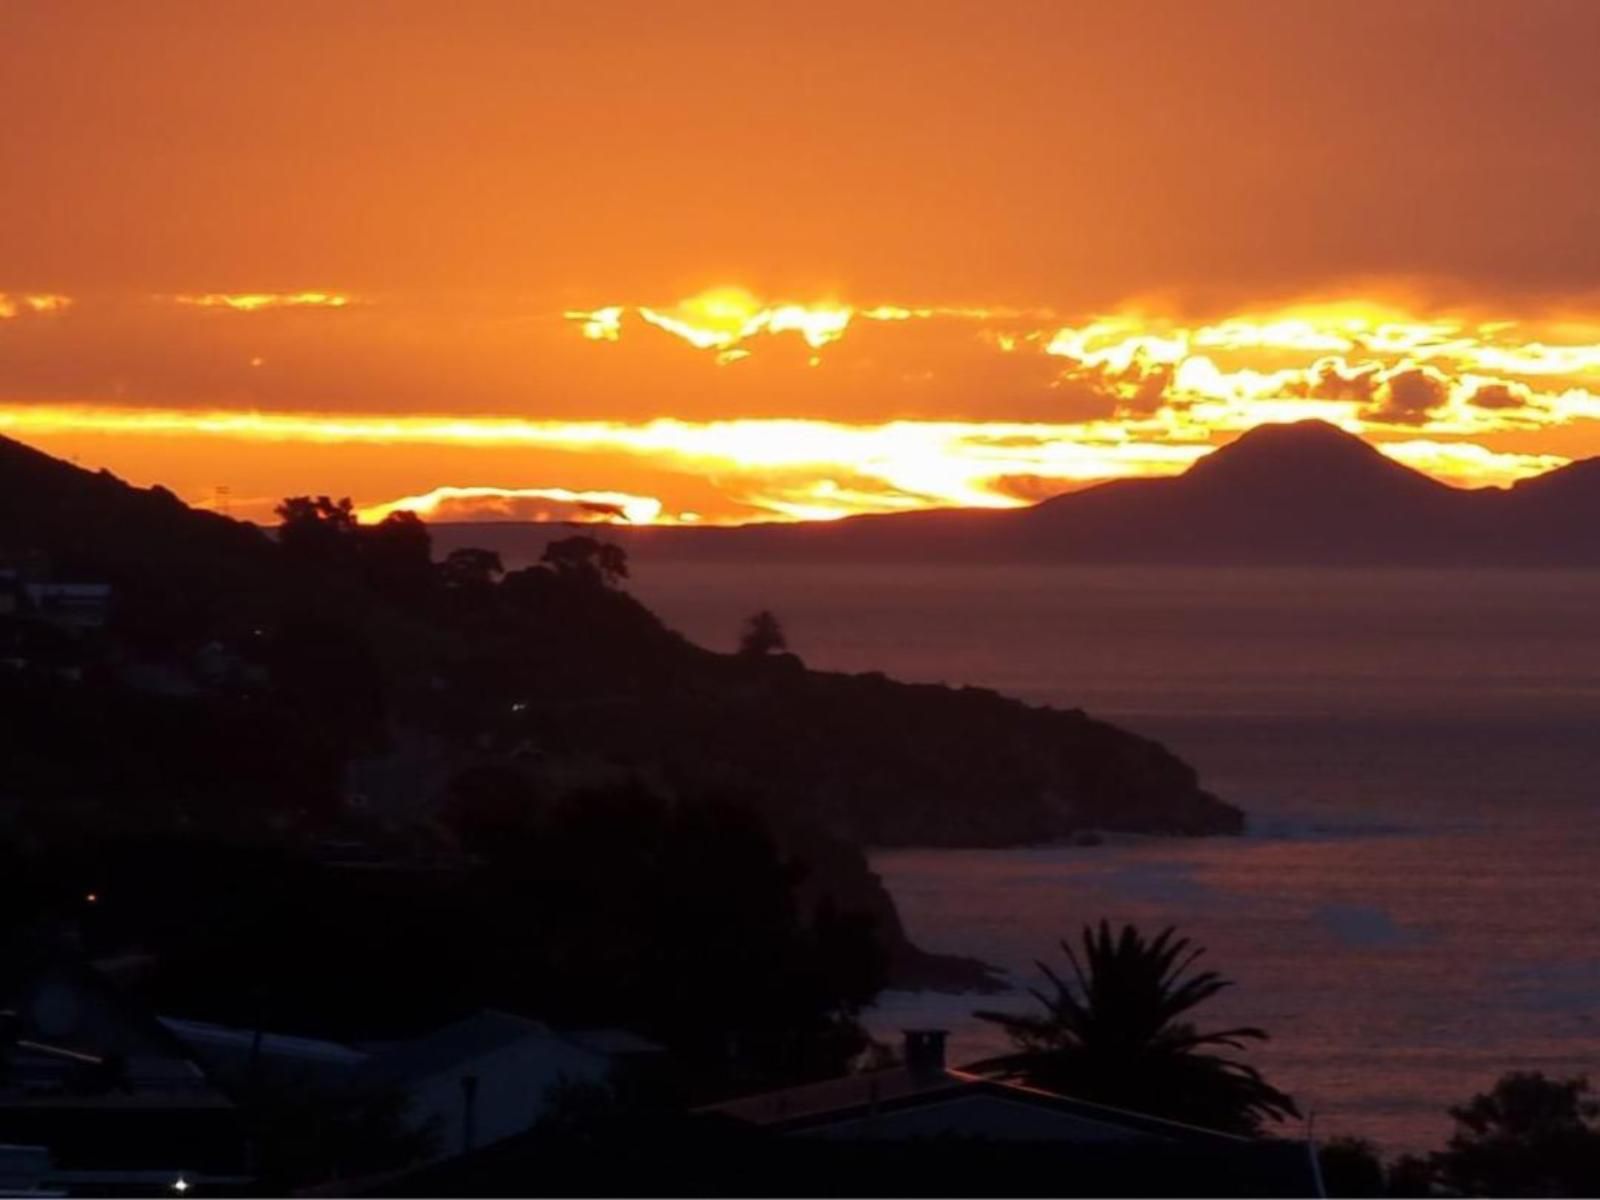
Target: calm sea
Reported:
point(1414, 909)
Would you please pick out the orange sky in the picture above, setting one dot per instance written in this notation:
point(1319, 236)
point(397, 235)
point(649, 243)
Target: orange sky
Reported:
point(693, 261)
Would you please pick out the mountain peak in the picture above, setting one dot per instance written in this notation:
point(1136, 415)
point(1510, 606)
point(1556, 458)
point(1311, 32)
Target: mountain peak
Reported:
point(1304, 455)
point(1297, 439)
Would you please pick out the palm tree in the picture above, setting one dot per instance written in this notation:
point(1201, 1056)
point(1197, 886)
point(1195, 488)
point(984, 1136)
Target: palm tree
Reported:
point(1114, 1035)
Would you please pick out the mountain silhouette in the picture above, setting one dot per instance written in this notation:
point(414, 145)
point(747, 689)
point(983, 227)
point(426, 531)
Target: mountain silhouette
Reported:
point(1308, 457)
point(1295, 494)
point(1304, 493)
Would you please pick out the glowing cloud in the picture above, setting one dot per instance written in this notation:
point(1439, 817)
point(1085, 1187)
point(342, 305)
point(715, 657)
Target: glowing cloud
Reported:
point(721, 319)
point(600, 325)
point(1365, 366)
point(521, 504)
point(47, 302)
point(724, 318)
point(1468, 465)
point(256, 301)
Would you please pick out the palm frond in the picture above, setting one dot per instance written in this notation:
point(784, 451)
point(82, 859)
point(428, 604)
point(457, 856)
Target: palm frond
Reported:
point(1077, 967)
point(1176, 973)
point(1112, 1029)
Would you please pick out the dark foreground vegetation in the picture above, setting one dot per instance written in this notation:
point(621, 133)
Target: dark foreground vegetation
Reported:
point(1529, 1135)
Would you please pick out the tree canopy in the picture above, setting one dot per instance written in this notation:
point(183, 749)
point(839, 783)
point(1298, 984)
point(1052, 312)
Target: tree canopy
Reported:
point(1527, 1136)
point(1116, 1033)
point(318, 530)
point(588, 559)
point(762, 635)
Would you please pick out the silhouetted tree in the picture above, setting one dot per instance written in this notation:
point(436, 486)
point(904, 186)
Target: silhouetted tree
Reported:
point(1528, 1136)
point(677, 918)
point(1115, 1034)
point(335, 514)
point(1409, 1175)
point(471, 568)
point(762, 636)
point(397, 556)
point(319, 531)
point(584, 558)
point(1351, 1168)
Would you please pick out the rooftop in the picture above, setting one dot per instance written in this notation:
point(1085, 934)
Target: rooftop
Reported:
point(896, 1088)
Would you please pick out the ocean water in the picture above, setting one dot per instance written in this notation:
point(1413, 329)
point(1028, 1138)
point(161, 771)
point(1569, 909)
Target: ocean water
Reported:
point(1414, 910)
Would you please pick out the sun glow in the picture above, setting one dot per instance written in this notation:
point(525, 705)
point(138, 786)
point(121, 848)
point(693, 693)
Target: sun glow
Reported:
point(772, 468)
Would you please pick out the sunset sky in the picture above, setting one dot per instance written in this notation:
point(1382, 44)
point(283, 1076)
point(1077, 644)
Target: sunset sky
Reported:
point(719, 262)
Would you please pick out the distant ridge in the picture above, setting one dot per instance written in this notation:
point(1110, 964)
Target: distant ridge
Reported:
point(1302, 494)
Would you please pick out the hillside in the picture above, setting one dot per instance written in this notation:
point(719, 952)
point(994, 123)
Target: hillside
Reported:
point(174, 567)
point(591, 672)
point(256, 688)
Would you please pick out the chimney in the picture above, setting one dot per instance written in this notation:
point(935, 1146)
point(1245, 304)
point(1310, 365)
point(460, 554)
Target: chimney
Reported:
point(924, 1051)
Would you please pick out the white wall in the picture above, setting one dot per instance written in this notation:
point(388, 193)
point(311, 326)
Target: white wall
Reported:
point(511, 1093)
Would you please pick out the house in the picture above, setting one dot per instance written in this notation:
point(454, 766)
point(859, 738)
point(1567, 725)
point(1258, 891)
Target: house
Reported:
point(473, 1082)
point(97, 1097)
point(922, 1098)
point(926, 1103)
point(921, 1129)
point(492, 1075)
point(25, 1170)
point(238, 1058)
point(44, 626)
point(70, 605)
